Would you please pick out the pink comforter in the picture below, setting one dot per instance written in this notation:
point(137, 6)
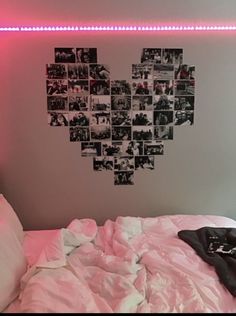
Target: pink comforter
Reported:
point(129, 265)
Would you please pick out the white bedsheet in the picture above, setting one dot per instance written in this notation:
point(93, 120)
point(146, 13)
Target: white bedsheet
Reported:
point(129, 265)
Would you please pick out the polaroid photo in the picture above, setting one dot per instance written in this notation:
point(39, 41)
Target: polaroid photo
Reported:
point(163, 87)
point(64, 55)
point(183, 118)
point(172, 56)
point(142, 132)
point(56, 71)
point(163, 132)
point(125, 163)
point(124, 177)
point(120, 87)
point(142, 103)
point(100, 132)
point(121, 133)
point(163, 102)
point(144, 163)
point(184, 72)
point(153, 147)
point(100, 103)
point(101, 118)
point(86, 55)
point(184, 103)
point(103, 163)
point(78, 134)
point(58, 119)
point(79, 119)
point(142, 71)
point(120, 102)
point(121, 118)
point(142, 118)
point(57, 103)
point(91, 149)
point(163, 72)
point(151, 55)
point(163, 117)
point(142, 87)
point(78, 71)
point(99, 71)
point(56, 86)
point(184, 87)
point(78, 102)
point(78, 86)
point(100, 87)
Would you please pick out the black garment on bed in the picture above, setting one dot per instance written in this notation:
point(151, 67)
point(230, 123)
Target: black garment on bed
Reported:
point(216, 246)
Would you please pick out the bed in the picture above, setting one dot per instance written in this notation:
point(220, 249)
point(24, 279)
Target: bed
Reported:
point(131, 264)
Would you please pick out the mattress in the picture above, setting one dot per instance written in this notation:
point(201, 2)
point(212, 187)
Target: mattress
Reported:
point(131, 264)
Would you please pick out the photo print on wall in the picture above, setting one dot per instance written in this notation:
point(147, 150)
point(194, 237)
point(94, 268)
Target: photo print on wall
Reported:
point(121, 124)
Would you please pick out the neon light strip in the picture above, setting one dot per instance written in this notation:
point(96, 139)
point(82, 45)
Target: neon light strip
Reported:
point(117, 28)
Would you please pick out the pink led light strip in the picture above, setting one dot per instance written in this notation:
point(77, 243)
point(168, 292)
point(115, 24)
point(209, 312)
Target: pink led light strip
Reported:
point(117, 28)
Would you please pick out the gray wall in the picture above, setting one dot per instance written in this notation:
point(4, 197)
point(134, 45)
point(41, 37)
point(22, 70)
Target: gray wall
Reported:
point(43, 175)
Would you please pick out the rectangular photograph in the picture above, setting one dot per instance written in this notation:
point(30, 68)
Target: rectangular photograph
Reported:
point(121, 118)
point(56, 86)
point(79, 119)
point(185, 72)
point(64, 55)
point(184, 103)
point(144, 163)
point(163, 71)
point(58, 119)
point(121, 133)
point(100, 118)
point(78, 86)
point(153, 148)
point(172, 56)
point(183, 118)
point(163, 102)
point(56, 71)
point(120, 102)
point(163, 117)
point(142, 103)
point(163, 132)
point(57, 103)
point(99, 71)
point(91, 149)
point(124, 177)
point(103, 163)
point(163, 87)
point(100, 132)
point(100, 87)
point(142, 71)
point(112, 148)
point(78, 134)
point(120, 87)
point(78, 102)
point(132, 148)
point(142, 87)
point(151, 55)
point(125, 163)
point(184, 87)
point(142, 132)
point(100, 103)
point(78, 71)
point(86, 55)
point(142, 118)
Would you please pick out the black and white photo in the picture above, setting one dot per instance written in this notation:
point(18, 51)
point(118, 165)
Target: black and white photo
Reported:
point(78, 103)
point(91, 149)
point(64, 55)
point(79, 119)
point(144, 163)
point(120, 102)
point(172, 56)
point(132, 148)
point(153, 148)
point(163, 118)
point(151, 55)
point(57, 119)
point(163, 71)
point(103, 163)
point(99, 71)
point(142, 71)
point(56, 86)
point(163, 132)
point(125, 163)
point(184, 87)
point(124, 177)
point(121, 118)
point(183, 117)
point(78, 71)
point(112, 148)
point(142, 87)
point(121, 133)
point(78, 86)
point(101, 118)
point(78, 134)
point(120, 87)
point(163, 87)
point(56, 71)
point(144, 118)
point(140, 102)
point(100, 102)
point(100, 87)
point(163, 102)
point(100, 132)
point(184, 103)
point(86, 55)
point(142, 132)
point(185, 72)
point(57, 103)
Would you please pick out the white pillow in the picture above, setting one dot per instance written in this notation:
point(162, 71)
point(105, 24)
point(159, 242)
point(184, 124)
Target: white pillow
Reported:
point(13, 264)
point(8, 215)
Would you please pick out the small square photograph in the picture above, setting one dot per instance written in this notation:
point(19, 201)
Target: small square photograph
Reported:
point(185, 72)
point(100, 87)
point(79, 119)
point(121, 133)
point(78, 103)
point(100, 103)
point(103, 163)
point(112, 148)
point(57, 103)
point(99, 71)
point(163, 102)
point(120, 87)
point(101, 132)
point(142, 103)
point(144, 163)
point(183, 118)
point(153, 148)
point(142, 132)
point(163, 72)
point(163, 118)
point(151, 55)
point(163, 132)
point(132, 148)
point(78, 134)
point(101, 118)
point(123, 177)
point(86, 55)
point(142, 87)
point(163, 87)
point(120, 102)
point(64, 55)
point(78, 71)
point(124, 163)
point(78, 86)
point(57, 119)
point(121, 118)
point(56, 86)
point(172, 56)
point(184, 87)
point(184, 103)
point(90, 149)
point(144, 118)
point(142, 71)
point(56, 71)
